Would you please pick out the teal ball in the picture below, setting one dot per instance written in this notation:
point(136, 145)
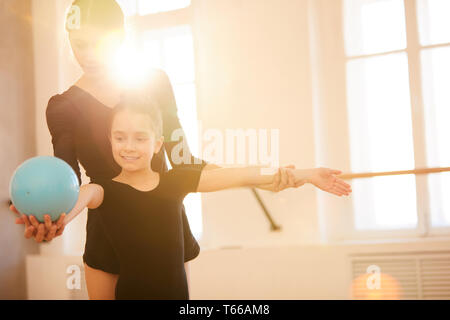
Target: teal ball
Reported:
point(44, 185)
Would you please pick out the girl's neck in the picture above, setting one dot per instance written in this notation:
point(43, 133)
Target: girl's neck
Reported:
point(142, 177)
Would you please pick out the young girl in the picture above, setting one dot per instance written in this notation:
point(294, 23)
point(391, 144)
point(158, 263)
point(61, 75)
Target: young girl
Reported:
point(140, 208)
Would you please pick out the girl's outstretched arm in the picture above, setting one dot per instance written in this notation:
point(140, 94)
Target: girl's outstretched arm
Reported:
point(90, 196)
point(226, 178)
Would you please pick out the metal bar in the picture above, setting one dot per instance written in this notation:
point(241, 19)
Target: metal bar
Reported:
point(350, 176)
point(273, 225)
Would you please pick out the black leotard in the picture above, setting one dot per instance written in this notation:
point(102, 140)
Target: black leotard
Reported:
point(79, 126)
point(146, 231)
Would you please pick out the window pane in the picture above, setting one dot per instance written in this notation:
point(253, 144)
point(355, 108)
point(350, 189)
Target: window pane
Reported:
point(372, 26)
point(434, 22)
point(380, 128)
point(129, 7)
point(179, 56)
point(152, 50)
point(436, 78)
point(187, 112)
point(172, 50)
point(380, 114)
point(385, 203)
point(155, 6)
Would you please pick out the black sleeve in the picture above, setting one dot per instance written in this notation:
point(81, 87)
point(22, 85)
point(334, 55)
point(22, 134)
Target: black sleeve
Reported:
point(184, 180)
point(171, 122)
point(60, 116)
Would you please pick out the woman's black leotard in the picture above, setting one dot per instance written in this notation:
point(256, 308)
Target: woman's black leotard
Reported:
point(79, 125)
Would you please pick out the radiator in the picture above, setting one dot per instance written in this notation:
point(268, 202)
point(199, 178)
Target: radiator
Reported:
point(416, 275)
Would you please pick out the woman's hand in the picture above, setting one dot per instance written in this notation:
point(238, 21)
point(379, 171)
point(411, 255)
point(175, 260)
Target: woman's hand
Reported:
point(284, 178)
point(45, 231)
point(326, 180)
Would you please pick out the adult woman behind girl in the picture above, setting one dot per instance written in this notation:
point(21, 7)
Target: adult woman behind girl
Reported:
point(78, 122)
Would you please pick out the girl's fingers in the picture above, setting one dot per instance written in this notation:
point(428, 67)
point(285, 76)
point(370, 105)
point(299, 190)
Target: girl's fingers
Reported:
point(60, 231)
point(51, 234)
point(343, 183)
point(60, 221)
point(26, 221)
point(13, 209)
point(47, 222)
point(40, 233)
point(29, 232)
point(336, 192)
point(341, 190)
point(34, 222)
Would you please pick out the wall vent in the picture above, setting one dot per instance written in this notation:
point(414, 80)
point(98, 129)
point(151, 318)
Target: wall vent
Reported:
point(419, 275)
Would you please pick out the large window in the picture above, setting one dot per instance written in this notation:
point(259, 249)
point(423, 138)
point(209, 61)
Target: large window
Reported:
point(170, 47)
point(398, 101)
point(145, 7)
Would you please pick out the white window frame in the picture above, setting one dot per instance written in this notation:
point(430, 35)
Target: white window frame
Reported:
point(327, 32)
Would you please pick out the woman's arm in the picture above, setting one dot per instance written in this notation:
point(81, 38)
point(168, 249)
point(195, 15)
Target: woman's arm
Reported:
point(90, 196)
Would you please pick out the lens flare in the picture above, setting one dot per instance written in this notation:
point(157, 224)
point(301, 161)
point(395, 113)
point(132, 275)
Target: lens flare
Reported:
point(127, 66)
point(385, 287)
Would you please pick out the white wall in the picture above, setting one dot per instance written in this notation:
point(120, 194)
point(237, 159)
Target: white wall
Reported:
point(254, 72)
point(16, 137)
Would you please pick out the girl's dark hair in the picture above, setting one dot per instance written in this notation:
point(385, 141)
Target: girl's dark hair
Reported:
point(100, 14)
point(142, 104)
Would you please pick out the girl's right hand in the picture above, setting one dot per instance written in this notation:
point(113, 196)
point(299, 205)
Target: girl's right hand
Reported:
point(45, 231)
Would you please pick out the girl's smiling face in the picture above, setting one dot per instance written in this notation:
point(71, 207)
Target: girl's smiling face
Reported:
point(133, 141)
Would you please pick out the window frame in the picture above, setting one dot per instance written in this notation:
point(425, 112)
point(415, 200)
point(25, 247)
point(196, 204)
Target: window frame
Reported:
point(323, 21)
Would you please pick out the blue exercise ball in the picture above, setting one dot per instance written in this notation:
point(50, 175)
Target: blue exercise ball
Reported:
point(44, 185)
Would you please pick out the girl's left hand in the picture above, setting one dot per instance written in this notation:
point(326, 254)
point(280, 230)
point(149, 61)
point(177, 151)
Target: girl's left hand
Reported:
point(326, 180)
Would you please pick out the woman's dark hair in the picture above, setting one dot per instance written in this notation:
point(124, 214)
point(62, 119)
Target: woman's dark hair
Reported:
point(141, 104)
point(100, 14)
